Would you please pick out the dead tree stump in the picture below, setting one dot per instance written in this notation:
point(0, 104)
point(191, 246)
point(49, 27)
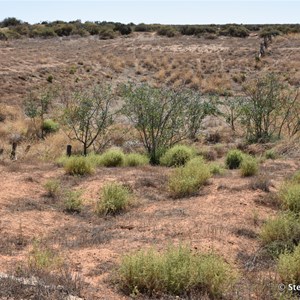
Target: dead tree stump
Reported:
point(13, 154)
point(69, 150)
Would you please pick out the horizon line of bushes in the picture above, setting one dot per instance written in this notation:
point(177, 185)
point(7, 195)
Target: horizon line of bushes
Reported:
point(13, 28)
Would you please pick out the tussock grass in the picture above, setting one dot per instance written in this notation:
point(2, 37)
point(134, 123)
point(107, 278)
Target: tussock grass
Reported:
point(176, 271)
point(186, 181)
point(135, 160)
point(281, 233)
point(114, 198)
point(288, 267)
point(112, 158)
point(289, 194)
point(248, 166)
point(78, 165)
point(177, 156)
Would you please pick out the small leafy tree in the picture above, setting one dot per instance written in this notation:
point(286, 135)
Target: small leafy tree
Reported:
point(231, 110)
point(87, 114)
point(267, 107)
point(162, 116)
point(36, 106)
point(196, 110)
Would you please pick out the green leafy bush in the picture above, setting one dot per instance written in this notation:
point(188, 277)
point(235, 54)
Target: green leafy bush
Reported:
point(135, 159)
point(78, 165)
point(288, 267)
point(176, 271)
point(289, 194)
point(114, 198)
point(186, 181)
point(177, 156)
point(234, 159)
point(53, 188)
point(281, 233)
point(50, 126)
point(248, 166)
point(73, 201)
point(113, 158)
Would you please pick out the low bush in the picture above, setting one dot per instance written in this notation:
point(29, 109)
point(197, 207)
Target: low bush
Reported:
point(78, 165)
point(289, 194)
point(114, 198)
point(167, 31)
point(288, 267)
point(280, 234)
point(50, 126)
point(248, 166)
point(216, 169)
point(112, 158)
point(106, 33)
point(176, 271)
point(41, 257)
point(234, 159)
point(270, 154)
point(177, 156)
point(186, 181)
point(135, 160)
point(296, 177)
point(73, 201)
point(261, 182)
point(53, 188)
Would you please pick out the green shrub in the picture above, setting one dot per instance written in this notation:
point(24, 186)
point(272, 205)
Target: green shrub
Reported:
point(135, 159)
point(176, 271)
point(234, 159)
point(289, 194)
point(50, 78)
point(73, 201)
point(106, 33)
point(41, 257)
point(50, 126)
point(186, 181)
point(177, 156)
point(296, 177)
point(216, 169)
point(281, 233)
point(113, 158)
point(114, 198)
point(248, 166)
point(270, 154)
point(288, 267)
point(167, 31)
point(78, 165)
point(53, 188)
point(3, 36)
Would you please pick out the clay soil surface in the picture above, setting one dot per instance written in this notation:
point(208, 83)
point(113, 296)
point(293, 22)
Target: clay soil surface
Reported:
point(224, 217)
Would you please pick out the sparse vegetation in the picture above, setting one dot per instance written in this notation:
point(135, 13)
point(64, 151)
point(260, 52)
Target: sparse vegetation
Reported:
point(53, 188)
point(114, 198)
point(176, 271)
point(73, 201)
